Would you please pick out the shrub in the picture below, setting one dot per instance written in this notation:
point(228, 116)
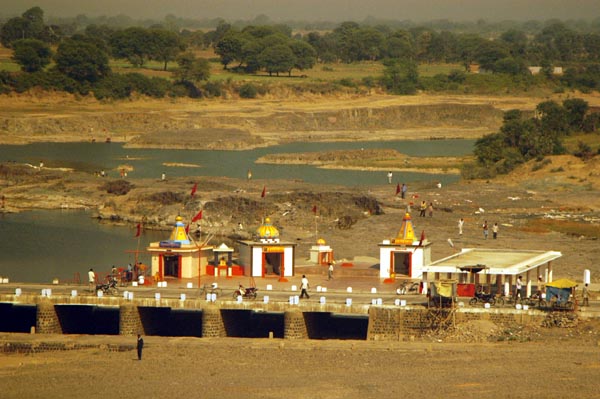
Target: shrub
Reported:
point(117, 187)
point(166, 198)
point(248, 90)
point(213, 89)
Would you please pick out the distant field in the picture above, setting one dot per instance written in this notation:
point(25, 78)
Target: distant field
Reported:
point(320, 73)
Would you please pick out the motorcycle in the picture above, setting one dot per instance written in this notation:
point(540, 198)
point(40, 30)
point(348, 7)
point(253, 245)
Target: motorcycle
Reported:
point(250, 293)
point(108, 288)
point(481, 297)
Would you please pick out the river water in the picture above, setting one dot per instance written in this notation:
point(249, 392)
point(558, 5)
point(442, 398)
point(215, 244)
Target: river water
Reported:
point(150, 163)
point(39, 246)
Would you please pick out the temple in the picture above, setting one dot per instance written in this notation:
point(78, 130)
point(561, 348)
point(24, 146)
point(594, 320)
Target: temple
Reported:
point(178, 257)
point(404, 256)
point(267, 255)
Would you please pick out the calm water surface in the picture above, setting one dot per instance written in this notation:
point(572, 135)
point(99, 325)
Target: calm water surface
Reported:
point(150, 163)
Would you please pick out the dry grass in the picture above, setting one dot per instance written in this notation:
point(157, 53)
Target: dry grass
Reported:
point(573, 228)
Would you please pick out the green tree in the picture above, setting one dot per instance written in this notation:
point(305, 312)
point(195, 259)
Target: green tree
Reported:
point(81, 61)
point(165, 46)
point(304, 53)
point(191, 69)
point(229, 48)
point(277, 59)
point(576, 109)
point(31, 54)
point(14, 29)
point(133, 44)
point(401, 77)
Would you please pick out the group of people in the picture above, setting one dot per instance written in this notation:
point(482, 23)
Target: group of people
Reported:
point(485, 227)
point(425, 209)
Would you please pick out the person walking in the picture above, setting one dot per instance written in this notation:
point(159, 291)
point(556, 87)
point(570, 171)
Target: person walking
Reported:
point(304, 287)
point(422, 209)
point(518, 288)
point(330, 271)
point(389, 176)
point(91, 280)
point(495, 231)
point(461, 224)
point(586, 296)
point(485, 230)
point(140, 346)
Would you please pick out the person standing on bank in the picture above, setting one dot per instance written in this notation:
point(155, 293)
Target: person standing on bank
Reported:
point(495, 231)
point(586, 296)
point(92, 280)
point(485, 230)
point(389, 176)
point(403, 190)
point(140, 346)
point(304, 287)
point(461, 224)
point(330, 271)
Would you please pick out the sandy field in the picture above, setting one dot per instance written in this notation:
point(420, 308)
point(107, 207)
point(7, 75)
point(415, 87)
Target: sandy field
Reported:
point(563, 363)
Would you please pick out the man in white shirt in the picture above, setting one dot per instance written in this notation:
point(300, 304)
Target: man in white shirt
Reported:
point(92, 280)
point(304, 287)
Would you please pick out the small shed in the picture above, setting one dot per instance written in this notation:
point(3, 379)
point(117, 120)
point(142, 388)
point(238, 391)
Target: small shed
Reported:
point(321, 253)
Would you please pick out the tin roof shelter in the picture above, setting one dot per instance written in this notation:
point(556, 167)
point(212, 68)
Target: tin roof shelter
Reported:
point(493, 266)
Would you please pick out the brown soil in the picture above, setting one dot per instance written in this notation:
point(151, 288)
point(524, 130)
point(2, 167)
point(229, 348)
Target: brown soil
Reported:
point(534, 362)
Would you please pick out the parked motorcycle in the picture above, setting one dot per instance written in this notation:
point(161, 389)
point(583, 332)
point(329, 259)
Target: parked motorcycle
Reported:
point(108, 288)
point(250, 292)
point(481, 297)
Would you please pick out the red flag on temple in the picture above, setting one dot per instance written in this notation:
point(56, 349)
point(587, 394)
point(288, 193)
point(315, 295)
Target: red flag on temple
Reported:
point(194, 189)
point(264, 192)
point(421, 240)
point(197, 217)
point(187, 228)
point(398, 189)
point(139, 230)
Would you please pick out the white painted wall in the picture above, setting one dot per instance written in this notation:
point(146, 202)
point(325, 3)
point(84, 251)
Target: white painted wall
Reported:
point(288, 261)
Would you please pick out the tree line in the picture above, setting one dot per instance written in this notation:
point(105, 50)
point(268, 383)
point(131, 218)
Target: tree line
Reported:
point(83, 56)
point(522, 138)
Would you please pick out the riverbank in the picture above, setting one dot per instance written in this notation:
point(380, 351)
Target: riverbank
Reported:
point(221, 124)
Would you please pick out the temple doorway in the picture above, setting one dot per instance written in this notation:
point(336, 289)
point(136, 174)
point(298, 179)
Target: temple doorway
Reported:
point(272, 263)
point(402, 262)
point(171, 265)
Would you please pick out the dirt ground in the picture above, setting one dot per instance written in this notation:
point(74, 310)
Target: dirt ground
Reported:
point(553, 364)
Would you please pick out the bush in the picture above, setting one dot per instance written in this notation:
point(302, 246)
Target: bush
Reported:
point(166, 198)
point(112, 87)
point(152, 87)
point(117, 187)
point(248, 90)
point(213, 89)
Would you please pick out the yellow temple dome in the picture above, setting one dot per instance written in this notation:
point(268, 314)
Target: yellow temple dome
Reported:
point(406, 235)
point(178, 234)
point(320, 241)
point(267, 230)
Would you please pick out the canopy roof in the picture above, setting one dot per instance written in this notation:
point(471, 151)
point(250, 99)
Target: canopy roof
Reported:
point(494, 261)
point(562, 283)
